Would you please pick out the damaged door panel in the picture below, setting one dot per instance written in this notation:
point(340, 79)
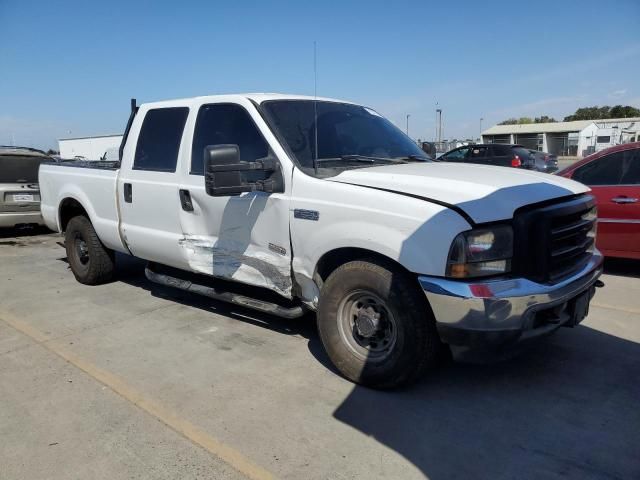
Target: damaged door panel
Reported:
point(243, 240)
point(242, 237)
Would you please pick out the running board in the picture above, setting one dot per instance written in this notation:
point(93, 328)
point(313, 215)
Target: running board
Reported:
point(253, 303)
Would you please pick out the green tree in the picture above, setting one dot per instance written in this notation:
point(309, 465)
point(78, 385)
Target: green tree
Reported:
point(517, 121)
point(544, 119)
point(619, 111)
point(599, 113)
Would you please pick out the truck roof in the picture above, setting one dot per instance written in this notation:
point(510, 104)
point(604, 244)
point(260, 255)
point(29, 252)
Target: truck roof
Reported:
point(256, 97)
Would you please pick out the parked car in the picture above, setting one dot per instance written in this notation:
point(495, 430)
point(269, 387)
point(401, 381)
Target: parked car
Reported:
point(494, 154)
point(614, 177)
point(19, 191)
point(328, 207)
point(544, 162)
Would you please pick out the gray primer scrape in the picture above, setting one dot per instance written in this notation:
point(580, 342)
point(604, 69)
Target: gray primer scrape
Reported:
point(254, 266)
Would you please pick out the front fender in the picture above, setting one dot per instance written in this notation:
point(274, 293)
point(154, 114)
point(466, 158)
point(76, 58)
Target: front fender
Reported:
point(413, 232)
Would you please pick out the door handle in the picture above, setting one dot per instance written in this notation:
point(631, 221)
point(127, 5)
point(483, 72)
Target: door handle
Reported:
point(185, 200)
point(624, 200)
point(128, 193)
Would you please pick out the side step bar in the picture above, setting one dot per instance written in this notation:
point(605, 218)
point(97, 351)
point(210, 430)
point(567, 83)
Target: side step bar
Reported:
point(253, 303)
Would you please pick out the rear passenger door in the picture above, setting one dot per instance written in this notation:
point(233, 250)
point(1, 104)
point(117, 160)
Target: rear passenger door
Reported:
point(148, 186)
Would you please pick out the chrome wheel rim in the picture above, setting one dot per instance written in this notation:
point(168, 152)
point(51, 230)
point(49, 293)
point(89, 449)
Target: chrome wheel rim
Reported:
point(367, 325)
point(81, 249)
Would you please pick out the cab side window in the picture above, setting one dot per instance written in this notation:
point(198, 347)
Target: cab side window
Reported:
point(226, 123)
point(159, 139)
point(606, 170)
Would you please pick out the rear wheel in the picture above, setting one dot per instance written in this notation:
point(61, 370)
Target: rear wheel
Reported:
point(376, 325)
point(91, 262)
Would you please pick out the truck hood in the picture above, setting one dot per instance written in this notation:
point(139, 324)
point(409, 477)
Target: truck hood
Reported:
point(484, 193)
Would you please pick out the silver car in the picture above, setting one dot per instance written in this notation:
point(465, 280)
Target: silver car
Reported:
point(19, 190)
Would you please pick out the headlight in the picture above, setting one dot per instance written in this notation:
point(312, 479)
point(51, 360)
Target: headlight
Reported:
point(482, 252)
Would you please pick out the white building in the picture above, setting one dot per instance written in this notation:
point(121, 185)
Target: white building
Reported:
point(90, 148)
point(573, 139)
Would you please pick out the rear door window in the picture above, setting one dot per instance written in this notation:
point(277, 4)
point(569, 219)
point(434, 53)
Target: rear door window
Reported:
point(478, 153)
point(159, 139)
point(631, 167)
point(226, 123)
point(607, 170)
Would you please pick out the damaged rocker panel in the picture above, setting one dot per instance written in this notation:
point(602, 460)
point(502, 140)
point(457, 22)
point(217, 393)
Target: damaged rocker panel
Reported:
point(248, 302)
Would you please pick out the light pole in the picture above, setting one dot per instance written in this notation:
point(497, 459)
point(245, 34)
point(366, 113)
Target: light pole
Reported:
point(481, 128)
point(408, 115)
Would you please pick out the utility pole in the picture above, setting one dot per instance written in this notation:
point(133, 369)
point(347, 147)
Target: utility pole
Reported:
point(408, 115)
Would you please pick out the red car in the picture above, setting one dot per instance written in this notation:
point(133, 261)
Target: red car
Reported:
point(614, 176)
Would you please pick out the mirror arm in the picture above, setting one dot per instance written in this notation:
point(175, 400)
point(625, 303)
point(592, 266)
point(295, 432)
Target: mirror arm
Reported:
point(268, 165)
point(267, 186)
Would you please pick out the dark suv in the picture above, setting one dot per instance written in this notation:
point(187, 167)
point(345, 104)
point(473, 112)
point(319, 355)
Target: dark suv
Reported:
point(496, 154)
point(19, 191)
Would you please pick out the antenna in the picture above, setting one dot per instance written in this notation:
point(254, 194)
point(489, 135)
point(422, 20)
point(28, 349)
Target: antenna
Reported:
point(315, 109)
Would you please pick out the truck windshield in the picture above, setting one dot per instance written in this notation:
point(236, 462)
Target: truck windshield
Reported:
point(348, 136)
point(19, 169)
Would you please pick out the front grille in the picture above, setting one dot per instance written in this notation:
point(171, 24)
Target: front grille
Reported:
point(571, 242)
point(554, 240)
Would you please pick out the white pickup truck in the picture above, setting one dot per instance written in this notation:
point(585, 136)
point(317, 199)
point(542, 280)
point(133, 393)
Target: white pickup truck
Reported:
point(324, 205)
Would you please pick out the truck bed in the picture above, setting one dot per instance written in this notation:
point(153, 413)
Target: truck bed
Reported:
point(93, 164)
point(91, 184)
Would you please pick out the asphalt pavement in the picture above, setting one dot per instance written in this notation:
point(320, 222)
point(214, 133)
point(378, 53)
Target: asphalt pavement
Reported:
point(133, 380)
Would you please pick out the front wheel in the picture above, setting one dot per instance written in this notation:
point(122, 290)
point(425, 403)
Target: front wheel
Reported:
point(376, 324)
point(91, 262)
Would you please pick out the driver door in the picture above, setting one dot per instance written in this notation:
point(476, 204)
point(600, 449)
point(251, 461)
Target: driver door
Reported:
point(243, 237)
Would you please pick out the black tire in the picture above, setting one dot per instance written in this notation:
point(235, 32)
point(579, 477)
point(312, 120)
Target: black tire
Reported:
point(403, 357)
point(91, 262)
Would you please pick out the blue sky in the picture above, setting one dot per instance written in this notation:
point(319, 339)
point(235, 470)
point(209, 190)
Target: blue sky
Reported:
point(68, 68)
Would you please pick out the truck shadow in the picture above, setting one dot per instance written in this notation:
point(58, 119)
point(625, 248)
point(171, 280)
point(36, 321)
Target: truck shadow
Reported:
point(565, 408)
point(624, 267)
point(130, 270)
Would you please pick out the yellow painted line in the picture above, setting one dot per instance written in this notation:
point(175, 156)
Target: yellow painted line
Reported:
point(193, 433)
point(613, 307)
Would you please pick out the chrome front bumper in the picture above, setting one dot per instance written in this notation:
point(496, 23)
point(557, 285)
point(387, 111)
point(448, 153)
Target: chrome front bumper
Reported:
point(494, 312)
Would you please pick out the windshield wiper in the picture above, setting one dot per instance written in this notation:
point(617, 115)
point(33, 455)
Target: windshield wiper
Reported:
point(413, 158)
point(360, 158)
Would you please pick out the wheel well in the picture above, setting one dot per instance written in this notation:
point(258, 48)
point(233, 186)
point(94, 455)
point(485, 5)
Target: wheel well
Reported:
point(70, 208)
point(333, 259)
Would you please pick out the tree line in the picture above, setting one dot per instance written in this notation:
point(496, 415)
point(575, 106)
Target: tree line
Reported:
point(584, 113)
